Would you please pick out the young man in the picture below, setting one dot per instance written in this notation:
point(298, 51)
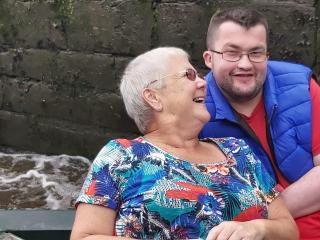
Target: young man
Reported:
point(270, 104)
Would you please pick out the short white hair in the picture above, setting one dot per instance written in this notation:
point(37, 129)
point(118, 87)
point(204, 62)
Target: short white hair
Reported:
point(141, 71)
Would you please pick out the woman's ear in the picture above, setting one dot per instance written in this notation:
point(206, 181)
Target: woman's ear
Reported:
point(152, 99)
point(207, 57)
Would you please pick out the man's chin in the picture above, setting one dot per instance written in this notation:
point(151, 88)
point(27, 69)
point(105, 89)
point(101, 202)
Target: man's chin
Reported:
point(243, 96)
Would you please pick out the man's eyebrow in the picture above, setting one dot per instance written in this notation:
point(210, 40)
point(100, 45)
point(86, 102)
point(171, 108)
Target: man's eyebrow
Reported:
point(231, 45)
point(258, 48)
point(236, 47)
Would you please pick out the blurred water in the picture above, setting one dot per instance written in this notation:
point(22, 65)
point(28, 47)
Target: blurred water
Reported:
point(29, 180)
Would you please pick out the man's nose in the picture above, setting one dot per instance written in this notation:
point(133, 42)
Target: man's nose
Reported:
point(244, 62)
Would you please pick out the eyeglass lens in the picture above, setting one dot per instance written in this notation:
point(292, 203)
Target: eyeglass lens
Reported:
point(192, 74)
point(236, 56)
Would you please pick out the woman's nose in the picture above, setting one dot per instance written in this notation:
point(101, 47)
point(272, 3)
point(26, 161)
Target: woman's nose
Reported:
point(201, 82)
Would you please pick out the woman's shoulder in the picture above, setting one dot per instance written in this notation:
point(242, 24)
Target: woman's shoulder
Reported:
point(125, 143)
point(121, 144)
point(115, 150)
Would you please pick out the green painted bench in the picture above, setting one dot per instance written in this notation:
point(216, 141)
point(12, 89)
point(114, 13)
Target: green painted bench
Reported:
point(36, 224)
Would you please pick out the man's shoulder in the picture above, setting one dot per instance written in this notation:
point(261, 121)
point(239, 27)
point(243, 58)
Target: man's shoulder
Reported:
point(211, 86)
point(287, 67)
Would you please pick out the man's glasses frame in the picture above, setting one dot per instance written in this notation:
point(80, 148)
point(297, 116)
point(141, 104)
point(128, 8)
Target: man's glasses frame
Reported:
point(235, 56)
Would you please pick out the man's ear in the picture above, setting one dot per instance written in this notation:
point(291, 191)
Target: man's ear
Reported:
point(207, 57)
point(152, 99)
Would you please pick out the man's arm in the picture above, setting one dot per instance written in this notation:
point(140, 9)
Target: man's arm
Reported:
point(316, 160)
point(303, 196)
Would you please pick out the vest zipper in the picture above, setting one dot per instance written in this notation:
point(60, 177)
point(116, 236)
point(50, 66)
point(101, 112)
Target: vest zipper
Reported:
point(269, 132)
point(274, 108)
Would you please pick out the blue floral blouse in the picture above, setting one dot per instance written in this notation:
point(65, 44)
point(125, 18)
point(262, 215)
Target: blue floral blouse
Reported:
point(159, 196)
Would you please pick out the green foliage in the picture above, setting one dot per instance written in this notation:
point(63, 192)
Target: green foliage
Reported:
point(64, 12)
point(64, 9)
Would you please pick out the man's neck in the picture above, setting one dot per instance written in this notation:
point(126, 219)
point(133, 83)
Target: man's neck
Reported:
point(246, 108)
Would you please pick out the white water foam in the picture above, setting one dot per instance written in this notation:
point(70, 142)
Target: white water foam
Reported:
point(39, 181)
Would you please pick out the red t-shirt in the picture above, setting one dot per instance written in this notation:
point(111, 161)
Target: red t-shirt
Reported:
point(309, 225)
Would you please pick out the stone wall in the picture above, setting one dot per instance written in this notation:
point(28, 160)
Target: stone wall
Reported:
point(61, 60)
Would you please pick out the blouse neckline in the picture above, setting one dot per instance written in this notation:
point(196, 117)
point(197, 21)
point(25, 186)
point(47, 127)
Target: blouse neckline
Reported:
point(230, 159)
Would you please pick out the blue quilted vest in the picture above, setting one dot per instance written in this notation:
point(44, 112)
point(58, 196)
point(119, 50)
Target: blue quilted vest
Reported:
point(288, 106)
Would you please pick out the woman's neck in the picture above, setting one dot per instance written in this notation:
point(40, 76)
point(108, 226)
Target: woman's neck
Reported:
point(172, 138)
point(190, 149)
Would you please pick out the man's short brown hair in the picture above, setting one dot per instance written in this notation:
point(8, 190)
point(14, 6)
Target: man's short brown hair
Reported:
point(245, 17)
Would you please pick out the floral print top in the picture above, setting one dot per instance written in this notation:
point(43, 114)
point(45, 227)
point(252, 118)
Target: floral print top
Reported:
point(159, 196)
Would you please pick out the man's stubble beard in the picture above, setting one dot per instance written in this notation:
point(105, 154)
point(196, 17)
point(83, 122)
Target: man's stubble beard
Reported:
point(236, 95)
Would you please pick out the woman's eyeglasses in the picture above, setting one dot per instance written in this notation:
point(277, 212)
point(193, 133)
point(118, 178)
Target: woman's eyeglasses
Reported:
point(189, 73)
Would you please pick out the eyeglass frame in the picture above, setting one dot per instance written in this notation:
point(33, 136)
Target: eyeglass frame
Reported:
point(183, 73)
point(240, 56)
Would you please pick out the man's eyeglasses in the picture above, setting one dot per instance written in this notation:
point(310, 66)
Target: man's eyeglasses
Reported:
point(189, 73)
point(235, 56)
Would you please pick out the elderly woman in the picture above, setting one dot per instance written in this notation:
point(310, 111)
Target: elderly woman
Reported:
point(167, 184)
